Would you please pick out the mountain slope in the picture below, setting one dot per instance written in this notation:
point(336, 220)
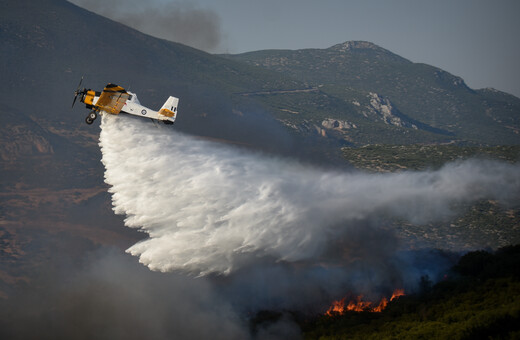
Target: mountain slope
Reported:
point(48, 45)
point(357, 72)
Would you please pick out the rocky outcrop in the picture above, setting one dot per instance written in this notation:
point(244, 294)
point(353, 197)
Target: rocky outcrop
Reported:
point(331, 124)
point(334, 124)
point(353, 45)
point(380, 108)
point(328, 124)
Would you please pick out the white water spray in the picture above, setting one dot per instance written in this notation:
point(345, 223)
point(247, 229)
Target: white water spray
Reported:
point(208, 206)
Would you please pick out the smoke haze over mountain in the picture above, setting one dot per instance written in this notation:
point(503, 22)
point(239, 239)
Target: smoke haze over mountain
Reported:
point(211, 208)
point(176, 21)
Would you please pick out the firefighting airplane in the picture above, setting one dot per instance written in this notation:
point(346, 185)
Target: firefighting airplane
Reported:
point(115, 99)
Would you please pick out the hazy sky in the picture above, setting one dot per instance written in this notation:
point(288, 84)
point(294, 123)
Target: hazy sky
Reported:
point(474, 39)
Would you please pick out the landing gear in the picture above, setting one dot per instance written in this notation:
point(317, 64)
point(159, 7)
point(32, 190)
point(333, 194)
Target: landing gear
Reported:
point(91, 117)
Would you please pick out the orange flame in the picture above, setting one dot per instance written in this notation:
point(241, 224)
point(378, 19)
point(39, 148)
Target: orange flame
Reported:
point(382, 305)
point(359, 305)
point(397, 293)
point(338, 307)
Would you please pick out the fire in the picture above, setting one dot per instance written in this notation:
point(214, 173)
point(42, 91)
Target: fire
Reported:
point(397, 293)
point(382, 305)
point(339, 307)
point(359, 305)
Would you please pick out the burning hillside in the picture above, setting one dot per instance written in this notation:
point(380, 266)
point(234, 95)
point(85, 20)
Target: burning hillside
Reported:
point(358, 305)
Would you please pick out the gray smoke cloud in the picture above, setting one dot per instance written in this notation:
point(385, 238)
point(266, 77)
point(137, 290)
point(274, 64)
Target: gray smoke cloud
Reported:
point(180, 22)
point(210, 208)
point(109, 296)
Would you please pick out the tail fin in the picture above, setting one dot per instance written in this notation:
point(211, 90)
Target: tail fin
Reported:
point(169, 109)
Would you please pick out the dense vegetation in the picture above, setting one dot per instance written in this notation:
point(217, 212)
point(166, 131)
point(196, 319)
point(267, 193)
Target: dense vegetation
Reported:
point(421, 157)
point(479, 299)
point(486, 222)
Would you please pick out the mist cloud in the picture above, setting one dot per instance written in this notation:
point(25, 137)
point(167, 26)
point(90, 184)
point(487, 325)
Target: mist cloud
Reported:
point(210, 208)
point(175, 21)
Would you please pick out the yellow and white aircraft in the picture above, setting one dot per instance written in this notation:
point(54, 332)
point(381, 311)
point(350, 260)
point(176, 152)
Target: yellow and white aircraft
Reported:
point(114, 99)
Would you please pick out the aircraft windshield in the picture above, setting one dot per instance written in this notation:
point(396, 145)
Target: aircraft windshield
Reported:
point(133, 97)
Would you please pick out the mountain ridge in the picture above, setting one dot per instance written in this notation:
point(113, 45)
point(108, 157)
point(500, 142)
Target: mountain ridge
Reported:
point(347, 76)
point(352, 70)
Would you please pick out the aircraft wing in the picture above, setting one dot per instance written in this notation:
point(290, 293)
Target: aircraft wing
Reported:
point(112, 99)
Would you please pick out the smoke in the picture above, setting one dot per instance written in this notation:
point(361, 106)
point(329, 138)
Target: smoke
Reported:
point(181, 22)
point(109, 296)
point(211, 208)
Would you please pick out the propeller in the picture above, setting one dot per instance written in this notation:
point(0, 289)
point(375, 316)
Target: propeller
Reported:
point(78, 92)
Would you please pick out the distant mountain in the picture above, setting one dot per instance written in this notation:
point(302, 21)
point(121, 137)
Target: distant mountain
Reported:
point(304, 101)
point(365, 80)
